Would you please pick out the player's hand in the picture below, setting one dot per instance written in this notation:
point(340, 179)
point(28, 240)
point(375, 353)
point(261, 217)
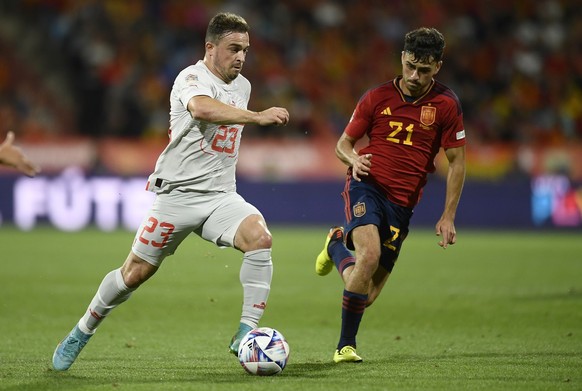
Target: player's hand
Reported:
point(274, 116)
point(361, 166)
point(13, 156)
point(445, 228)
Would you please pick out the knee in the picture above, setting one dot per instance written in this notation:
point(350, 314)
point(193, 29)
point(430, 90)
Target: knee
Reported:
point(261, 239)
point(253, 234)
point(135, 271)
point(264, 240)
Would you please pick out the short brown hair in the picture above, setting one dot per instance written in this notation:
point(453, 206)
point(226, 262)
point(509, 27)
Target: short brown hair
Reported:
point(425, 44)
point(223, 23)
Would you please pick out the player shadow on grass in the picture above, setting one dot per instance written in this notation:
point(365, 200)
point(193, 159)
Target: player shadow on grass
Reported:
point(190, 372)
point(309, 369)
point(205, 373)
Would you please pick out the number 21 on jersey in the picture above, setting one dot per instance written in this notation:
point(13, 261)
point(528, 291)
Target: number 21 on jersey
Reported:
point(397, 128)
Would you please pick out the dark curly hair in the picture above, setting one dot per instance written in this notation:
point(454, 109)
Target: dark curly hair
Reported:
point(426, 44)
point(224, 23)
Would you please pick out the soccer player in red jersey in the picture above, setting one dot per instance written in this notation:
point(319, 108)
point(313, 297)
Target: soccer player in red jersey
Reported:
point(407, 120)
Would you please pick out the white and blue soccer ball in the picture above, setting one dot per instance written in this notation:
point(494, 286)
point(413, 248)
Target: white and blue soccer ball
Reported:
point(263, 351)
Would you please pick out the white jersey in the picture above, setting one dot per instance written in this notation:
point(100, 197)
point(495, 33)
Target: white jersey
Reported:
point(200, 156)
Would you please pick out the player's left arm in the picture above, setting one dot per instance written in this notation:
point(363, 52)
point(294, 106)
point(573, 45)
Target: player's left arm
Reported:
point(445, 227)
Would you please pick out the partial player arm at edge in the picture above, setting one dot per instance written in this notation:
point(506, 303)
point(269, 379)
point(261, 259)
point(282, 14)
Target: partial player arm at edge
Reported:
point(12, 156)
point(445, 227)
point(205, 108)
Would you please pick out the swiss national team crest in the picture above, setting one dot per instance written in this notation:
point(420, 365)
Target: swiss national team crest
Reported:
point(191, 80)
point(359, 209)
point(427, 115)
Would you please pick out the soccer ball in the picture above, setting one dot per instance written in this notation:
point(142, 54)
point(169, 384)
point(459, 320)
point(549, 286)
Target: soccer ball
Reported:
point(263, 352)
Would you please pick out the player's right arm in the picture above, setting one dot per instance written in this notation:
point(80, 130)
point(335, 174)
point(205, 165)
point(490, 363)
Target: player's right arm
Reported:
point(205, 108)
point(356, 128)
point(345, 151)
point(12, 156)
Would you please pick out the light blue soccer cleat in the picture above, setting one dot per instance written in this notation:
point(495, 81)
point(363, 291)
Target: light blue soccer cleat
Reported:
point(243, 329)
point(67, 351)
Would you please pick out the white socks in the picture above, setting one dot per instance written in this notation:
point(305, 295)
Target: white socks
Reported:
point(256, 273)
point(111, 293)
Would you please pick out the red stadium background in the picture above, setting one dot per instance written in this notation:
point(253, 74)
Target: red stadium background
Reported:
point(87, 88)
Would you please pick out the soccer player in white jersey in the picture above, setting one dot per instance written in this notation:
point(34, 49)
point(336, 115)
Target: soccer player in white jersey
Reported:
point(194, 180)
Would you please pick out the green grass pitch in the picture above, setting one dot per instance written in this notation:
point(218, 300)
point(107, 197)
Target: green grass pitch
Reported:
point(496, 311)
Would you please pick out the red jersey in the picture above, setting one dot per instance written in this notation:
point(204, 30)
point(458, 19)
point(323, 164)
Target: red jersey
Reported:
point(405, 136)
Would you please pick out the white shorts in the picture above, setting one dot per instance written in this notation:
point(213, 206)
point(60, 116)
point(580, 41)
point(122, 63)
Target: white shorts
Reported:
point(212, 216)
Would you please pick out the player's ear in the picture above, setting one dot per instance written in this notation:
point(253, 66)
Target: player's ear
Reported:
point(209, 46)
point(438, 67)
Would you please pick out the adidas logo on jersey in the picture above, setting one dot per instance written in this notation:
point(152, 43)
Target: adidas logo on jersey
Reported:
point(387, 111)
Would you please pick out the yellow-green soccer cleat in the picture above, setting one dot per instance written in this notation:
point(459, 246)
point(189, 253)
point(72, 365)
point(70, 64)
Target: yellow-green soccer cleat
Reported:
point(346, 354)
point(323, 262)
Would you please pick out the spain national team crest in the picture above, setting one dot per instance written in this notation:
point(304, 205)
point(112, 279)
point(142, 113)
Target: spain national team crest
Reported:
point(427, 115)
point(359, 209)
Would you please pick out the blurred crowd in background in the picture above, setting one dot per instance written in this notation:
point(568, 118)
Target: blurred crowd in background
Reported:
point(104, 68)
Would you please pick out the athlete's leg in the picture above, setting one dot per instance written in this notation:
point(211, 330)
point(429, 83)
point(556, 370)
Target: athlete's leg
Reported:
point(254, 240)
point(238, 224)
point(154, 240)
point(377, 284)
point(252, 234)
point(344, 261)
point(136, 271)
point(115, 288)
point(357, 285)
point(367, 253)
point(334, 252)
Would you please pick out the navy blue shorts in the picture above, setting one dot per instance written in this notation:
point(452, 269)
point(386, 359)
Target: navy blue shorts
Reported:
point(365, 204)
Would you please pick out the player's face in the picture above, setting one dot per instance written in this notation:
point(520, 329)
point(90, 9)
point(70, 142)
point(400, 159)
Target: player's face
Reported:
point(417, 76)
point(226, 58)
